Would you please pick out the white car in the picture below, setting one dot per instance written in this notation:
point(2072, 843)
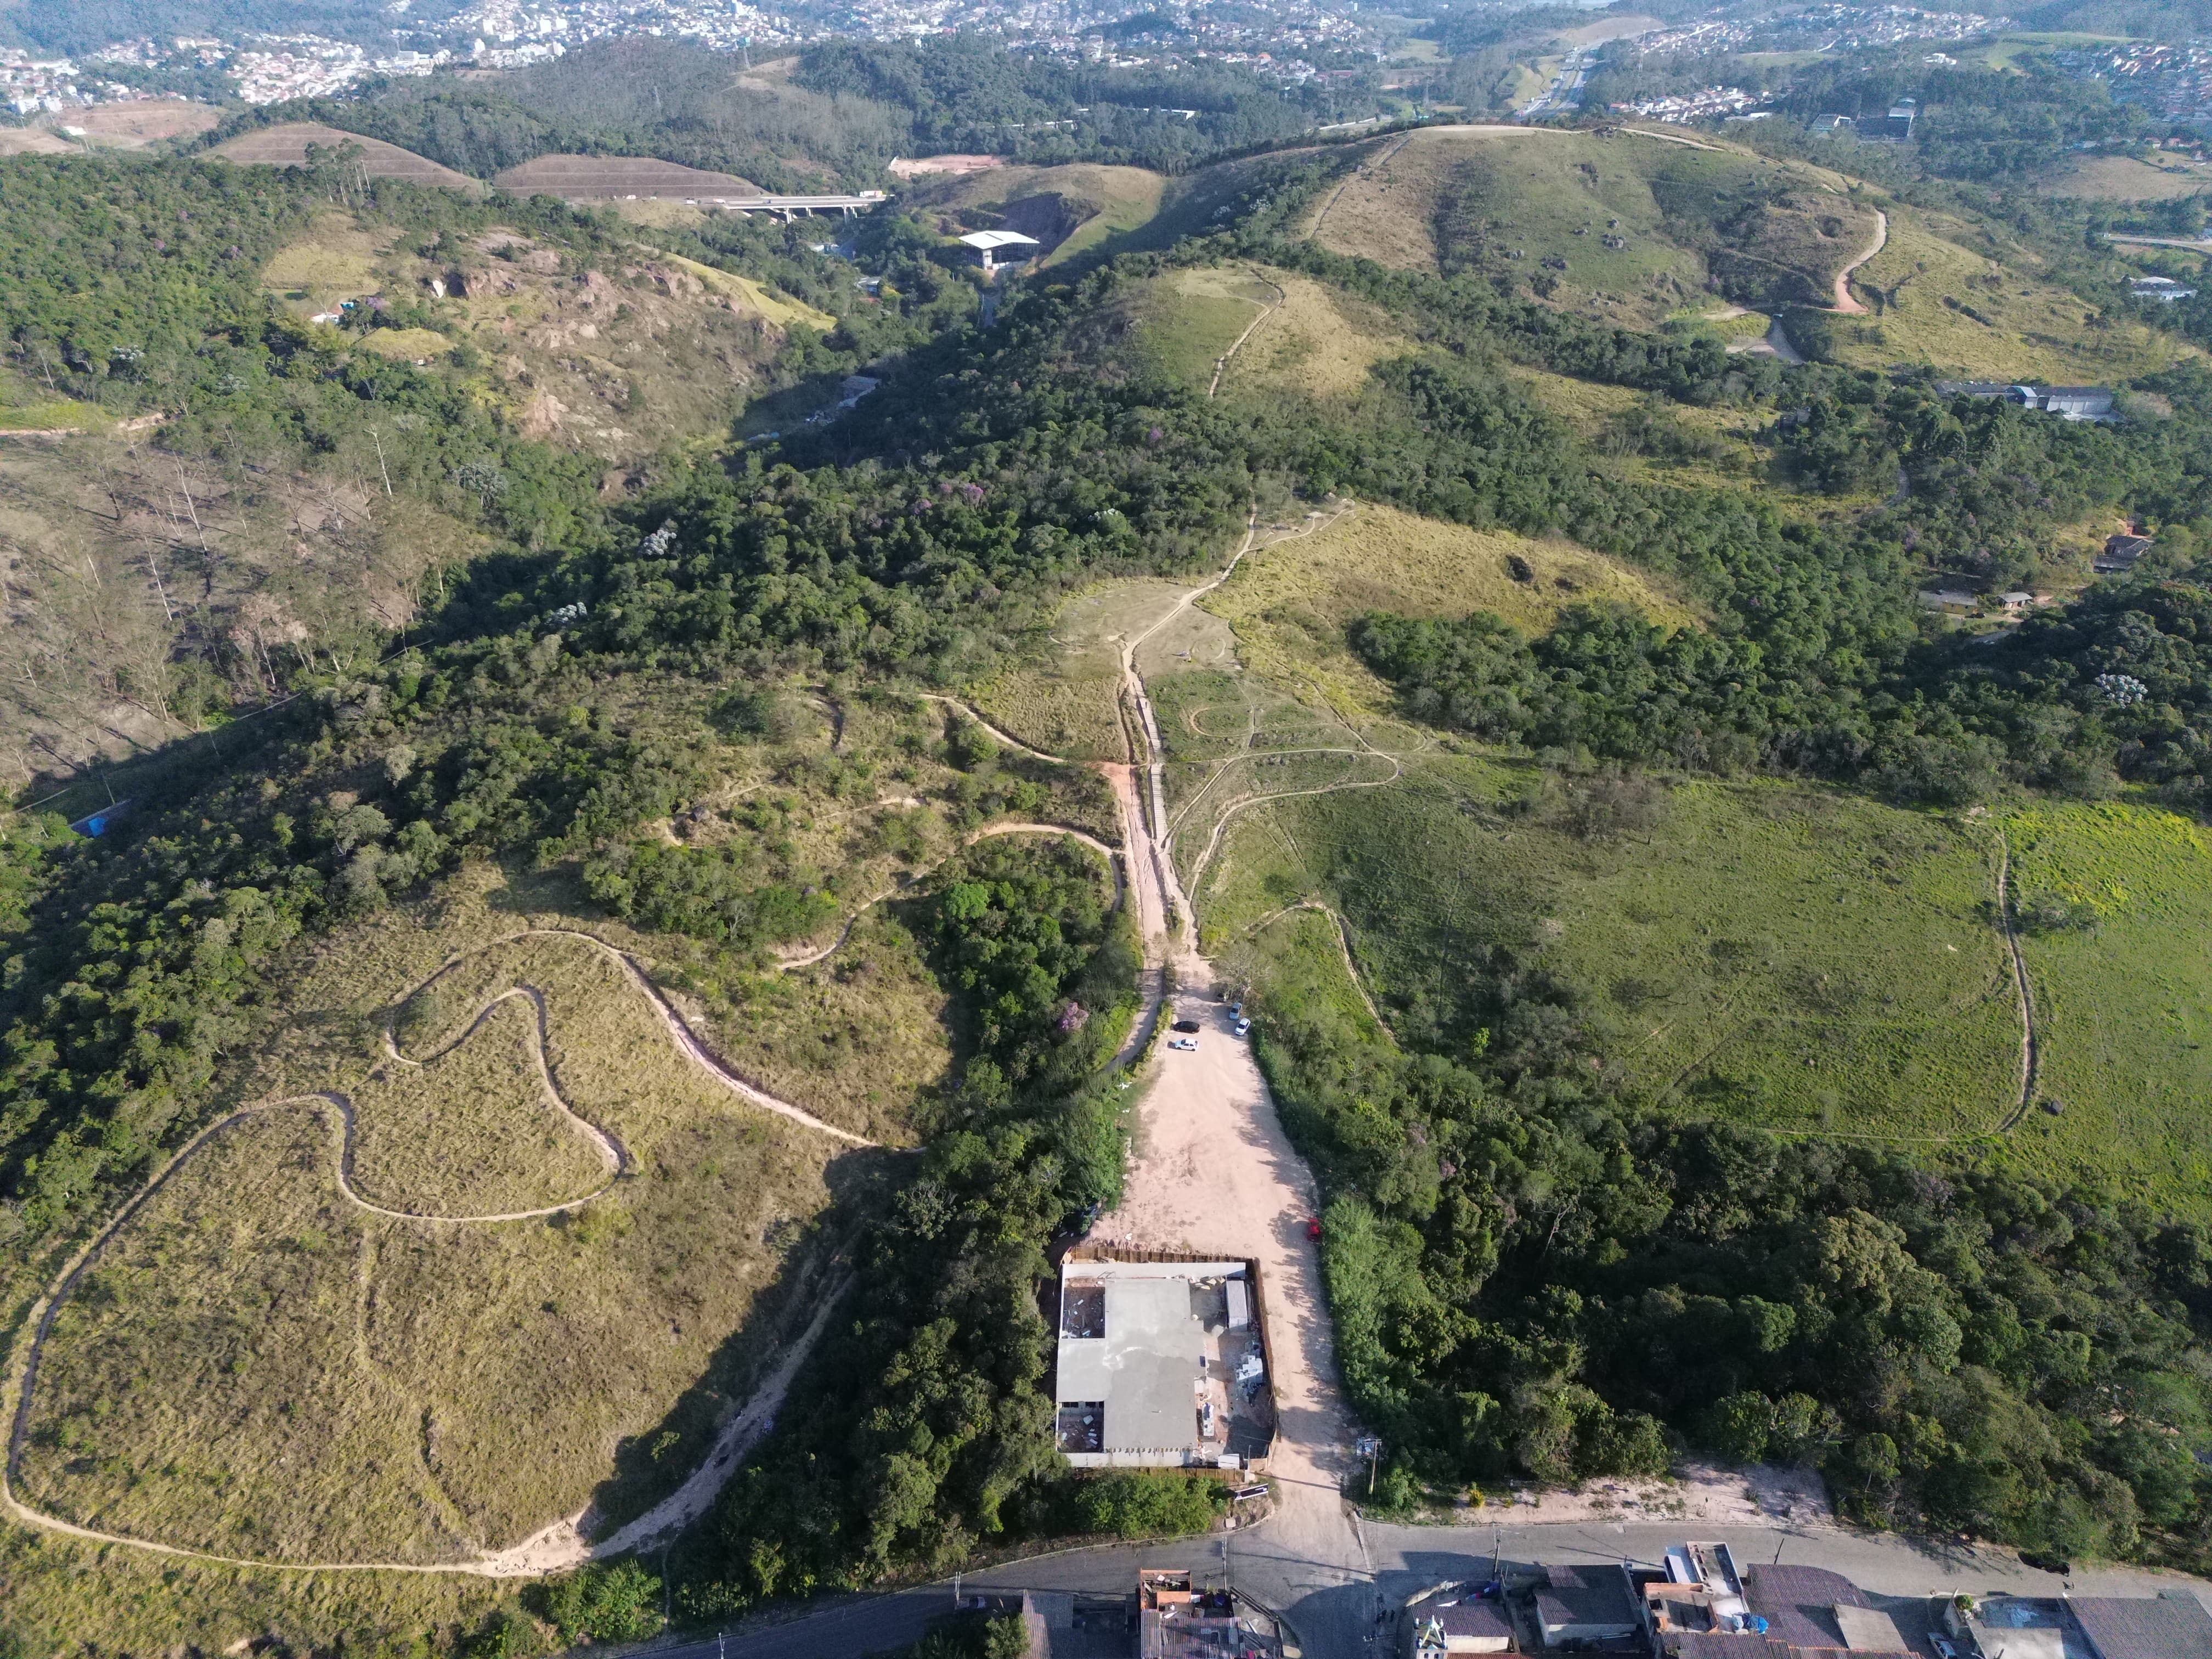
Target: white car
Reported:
point(1243, 1028)
point(1188, 1045)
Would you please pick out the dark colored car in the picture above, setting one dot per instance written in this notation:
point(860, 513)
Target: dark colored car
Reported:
point(1184, 1026)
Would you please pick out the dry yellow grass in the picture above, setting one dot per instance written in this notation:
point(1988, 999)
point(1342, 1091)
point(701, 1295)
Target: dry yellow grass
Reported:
point(1290, 603)
point(127, 126)
point(476, 1130)
point(1315, 342)
point(855, 1037)
point(1062, 697)
point(659, 213)
point(259, 1368)
point(777, 307)
point(1385, 211)
point(33, 141)
point(1924, 291)
point(338, 261)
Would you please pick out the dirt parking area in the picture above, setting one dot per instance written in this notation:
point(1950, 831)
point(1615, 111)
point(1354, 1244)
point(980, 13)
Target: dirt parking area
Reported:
point(1215, 1173)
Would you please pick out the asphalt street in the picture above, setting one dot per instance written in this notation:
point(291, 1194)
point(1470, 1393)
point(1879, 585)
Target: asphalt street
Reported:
point(1339, 1621)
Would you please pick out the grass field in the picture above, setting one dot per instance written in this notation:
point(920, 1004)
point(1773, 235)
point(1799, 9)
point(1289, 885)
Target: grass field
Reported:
point(130, 126)
point(1291, 603)
point(338, 261)
point(286, 146)
point(1387, 210)
point(476, 1130)
point(1190, 317)
point(1933, 302)
point(1782, 956)
point(1785, 956)
point(1315, 342)
point(2125, 1009)
point(1061, 696)
point(1624, 227)
point(410, 343)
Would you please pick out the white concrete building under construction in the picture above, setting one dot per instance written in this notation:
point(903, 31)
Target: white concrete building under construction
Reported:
point(1162, 1362)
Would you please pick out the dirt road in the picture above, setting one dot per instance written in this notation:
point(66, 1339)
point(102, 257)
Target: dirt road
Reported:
point(1214, 1171)
point(1844, 303)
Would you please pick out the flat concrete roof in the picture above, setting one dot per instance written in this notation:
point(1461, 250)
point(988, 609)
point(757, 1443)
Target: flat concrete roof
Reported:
point(1165, 1344)
point(1145, 1367)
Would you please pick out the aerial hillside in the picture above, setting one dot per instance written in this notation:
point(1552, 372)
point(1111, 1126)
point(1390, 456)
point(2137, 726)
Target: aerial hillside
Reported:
point(268, 526)
point(613, 178)
point(285, 145)
point(1631, 224)
point(1639, 227)
point(562, 1045)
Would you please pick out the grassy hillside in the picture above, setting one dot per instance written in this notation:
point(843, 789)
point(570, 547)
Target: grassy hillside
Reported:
point(1777, 955)
point(615, 361)
point(1932, 301)
point(1638, 228)
point(1626, 227)
point(1292, 603)
point(285, 145)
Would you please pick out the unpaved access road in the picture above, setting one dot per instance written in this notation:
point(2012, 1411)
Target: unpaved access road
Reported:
point(1844, 301)
point(1214, 1172)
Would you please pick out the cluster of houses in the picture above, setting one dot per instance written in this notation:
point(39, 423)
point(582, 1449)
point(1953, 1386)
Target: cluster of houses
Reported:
point(1699, 1603)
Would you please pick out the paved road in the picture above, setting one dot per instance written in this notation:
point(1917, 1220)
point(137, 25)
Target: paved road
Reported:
point(1336, 1620)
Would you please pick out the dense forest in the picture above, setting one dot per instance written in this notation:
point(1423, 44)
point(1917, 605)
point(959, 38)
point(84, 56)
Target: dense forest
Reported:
point(1533, 1278)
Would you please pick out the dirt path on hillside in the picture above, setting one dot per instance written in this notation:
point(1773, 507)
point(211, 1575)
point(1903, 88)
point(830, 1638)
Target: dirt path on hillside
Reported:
point(1844, 303)
point(546, 1548)
point(1214, 1172)
point(2030, 1051)
point(1221, 363)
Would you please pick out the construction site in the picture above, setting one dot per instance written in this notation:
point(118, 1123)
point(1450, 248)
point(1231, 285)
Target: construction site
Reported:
point(1162, 1362)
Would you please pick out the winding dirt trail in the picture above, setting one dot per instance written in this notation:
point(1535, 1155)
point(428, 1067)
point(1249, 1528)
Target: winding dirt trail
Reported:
point(562, 1544)
point(554, 1548)
point(1221, 363)
point(1844, 303)
point(2030, 1048)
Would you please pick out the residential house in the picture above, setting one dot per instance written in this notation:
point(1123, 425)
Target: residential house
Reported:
point(1592, 1605)
point(2171, 1626)
point(2121, 553)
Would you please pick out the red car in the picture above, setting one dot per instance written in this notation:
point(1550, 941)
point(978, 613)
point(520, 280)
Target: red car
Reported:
point(1313, 1230)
